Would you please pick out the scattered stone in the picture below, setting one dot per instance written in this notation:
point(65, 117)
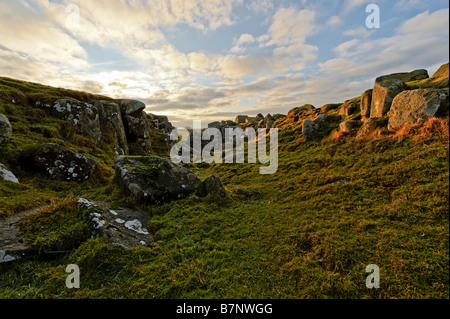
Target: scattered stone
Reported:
point(153, 180)
point(5, 129)
point(372, 124)
point(6, 175)
point(211, 185)
point(121, 227)
point(416, 106)
point(61, 163)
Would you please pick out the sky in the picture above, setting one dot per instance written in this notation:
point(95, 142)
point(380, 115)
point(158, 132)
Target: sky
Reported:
point(211, 60)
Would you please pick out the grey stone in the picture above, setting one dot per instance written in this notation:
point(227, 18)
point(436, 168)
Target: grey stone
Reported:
point(5, 129)
point(309, 130)
point(6, 175)
point(366, 101)
point(122, 227)
point(416, 106)
point(153, 180)
point(131, 107)
point(387, 87)
point(61, 163)
point(211, 185)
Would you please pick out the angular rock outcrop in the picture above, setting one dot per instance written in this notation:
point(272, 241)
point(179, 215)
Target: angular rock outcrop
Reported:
point(241, 119)
point(211, 185)
point(82, 115)
point(366, 101)
point(153, 180)
point(350, 107)
point(61, 163)
point(416, 106)
point(6, 175)
point(131, 107)
point(296, 112)
point(387, 87)
point(310, 129)
point(136, 122)
point(160, 123)
point(5, 129)
point(111, 125)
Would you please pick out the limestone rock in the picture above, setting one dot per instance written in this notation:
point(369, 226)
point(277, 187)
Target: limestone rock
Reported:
point(5, 129)
point(153, 180)
point(6, 175)
point(211, 185)
point(61, 163)
point(411, 107)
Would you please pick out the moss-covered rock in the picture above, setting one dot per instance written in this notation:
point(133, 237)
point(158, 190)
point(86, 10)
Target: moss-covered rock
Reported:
point(153, 180)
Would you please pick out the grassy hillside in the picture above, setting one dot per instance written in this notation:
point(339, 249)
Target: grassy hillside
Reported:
point(308, 231)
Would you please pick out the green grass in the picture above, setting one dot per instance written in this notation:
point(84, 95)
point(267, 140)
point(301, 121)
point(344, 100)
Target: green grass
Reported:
point(307, 231)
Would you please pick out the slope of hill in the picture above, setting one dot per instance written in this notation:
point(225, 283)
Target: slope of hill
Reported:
point(348, 192)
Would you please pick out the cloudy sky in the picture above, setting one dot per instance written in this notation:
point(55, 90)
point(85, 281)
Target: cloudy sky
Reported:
point(213, 59)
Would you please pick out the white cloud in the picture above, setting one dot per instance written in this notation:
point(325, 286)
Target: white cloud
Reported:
point(291, 26)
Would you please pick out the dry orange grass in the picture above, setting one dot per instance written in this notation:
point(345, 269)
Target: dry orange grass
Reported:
point(432, 127)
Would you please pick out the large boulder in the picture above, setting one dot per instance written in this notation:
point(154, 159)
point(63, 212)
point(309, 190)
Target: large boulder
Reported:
point(312, 128)
point(348, 126)
point(366, 101)
point(309, 130)
point(61, 163)
point(387, 87)
point(211, 185)
point(131, 107)
point(153, 180)
point(415, 106)
point(6, 175)
point(5, 129)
